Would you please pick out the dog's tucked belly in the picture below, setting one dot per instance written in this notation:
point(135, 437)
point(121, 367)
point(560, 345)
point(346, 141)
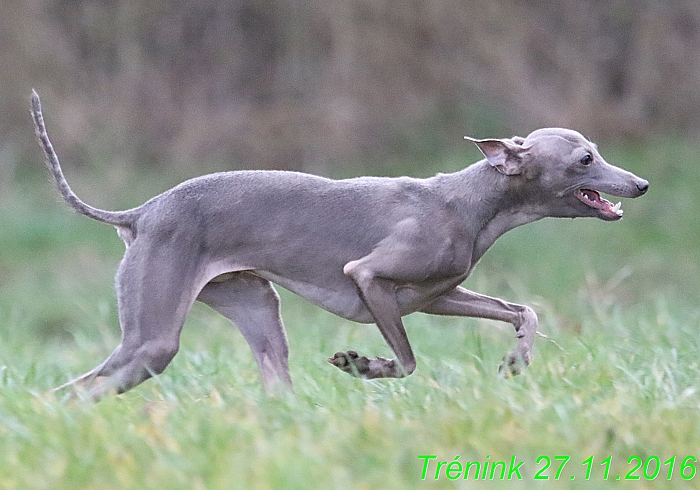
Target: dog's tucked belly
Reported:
point(343, 299)
point(340, 299)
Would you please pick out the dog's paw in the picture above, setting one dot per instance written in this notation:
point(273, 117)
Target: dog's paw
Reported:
point(364, 367)
point(351, 362)
point(513, 363)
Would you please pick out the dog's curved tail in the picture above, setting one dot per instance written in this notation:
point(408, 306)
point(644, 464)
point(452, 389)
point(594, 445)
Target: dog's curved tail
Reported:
point(121, 219)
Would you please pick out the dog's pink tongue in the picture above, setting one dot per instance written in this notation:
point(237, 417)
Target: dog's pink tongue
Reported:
point(593, 199)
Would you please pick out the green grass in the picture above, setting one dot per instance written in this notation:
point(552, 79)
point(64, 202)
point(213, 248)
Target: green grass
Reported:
point(617, 375)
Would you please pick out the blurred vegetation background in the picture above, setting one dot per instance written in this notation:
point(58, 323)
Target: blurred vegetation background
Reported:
point(139, 96)
point(315, 85)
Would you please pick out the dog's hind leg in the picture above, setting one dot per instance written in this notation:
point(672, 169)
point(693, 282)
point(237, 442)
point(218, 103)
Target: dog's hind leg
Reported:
point(157, 282)
point(252, 304)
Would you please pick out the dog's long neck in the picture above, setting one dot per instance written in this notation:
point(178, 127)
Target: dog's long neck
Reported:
point(491, 202)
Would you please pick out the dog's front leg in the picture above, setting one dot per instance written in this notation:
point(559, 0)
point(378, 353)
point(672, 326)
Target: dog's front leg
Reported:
point(379, 296)
point(462, 302)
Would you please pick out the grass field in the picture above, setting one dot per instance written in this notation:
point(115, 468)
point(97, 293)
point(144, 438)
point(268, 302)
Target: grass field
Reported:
point(612, 387)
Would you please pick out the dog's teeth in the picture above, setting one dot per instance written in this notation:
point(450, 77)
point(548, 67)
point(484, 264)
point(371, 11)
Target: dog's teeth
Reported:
point(616, 208)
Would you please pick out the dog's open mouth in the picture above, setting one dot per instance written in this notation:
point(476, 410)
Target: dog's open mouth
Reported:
point(592, 198)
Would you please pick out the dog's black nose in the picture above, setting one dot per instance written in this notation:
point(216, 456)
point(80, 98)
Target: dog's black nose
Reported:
point(643, 186)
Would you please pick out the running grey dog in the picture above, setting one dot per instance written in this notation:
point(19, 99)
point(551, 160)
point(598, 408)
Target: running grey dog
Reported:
point(367, 249)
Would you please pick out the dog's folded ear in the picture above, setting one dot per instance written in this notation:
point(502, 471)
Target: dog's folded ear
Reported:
point(505, 155)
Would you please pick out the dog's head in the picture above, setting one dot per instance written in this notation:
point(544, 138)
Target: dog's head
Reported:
point(561, 173)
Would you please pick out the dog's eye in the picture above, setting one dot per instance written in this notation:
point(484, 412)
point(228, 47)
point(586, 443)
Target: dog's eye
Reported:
point(587, 159)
